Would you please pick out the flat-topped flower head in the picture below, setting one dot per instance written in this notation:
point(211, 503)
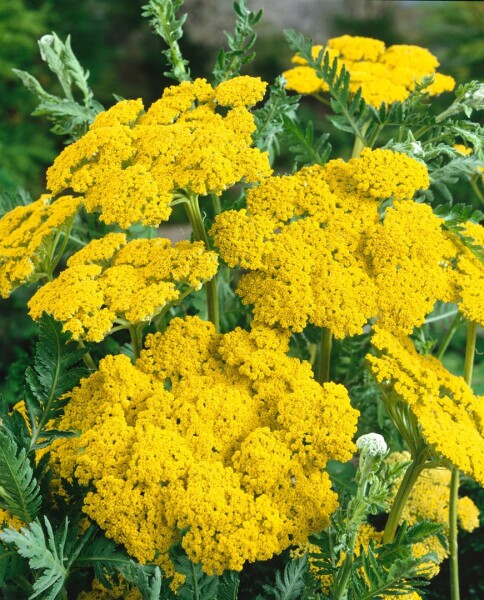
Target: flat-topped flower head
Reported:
point(111, 281)
point(384, 74)
point(27, 239)
point(131, 162)
point(317, 251)
point(451, 418)
point(197, 427)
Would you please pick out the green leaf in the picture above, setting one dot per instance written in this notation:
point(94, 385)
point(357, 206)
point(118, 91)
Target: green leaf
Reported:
point(19, 490)
point(162, 16)
point(290, 585)
point(306, 149)
point(45, 554)
point(53, 374)
point(70, 118)
point(351, 112)
point(197, 585)
point(270, 118)
point(229, 62)
point(228, 586)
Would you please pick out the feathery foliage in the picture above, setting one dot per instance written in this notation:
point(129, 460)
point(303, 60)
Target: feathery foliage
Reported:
point(290, 584)
point(162, 16)
point(270, 119)
point(301, 142)
point(229, 62)
point(197, 585)
point(70, 117)
point(54, 373)
point(350, 113)
point(19, 490)
point(10, 200)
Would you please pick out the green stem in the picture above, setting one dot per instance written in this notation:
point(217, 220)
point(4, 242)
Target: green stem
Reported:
point(87, 358)
point(408, 481)
point(322, 373)
point(448, 337)
point(136, 334)
point(475, 186)
point(199, 233)
point(453, 546)
point(357, 147)
point(454, 482)
point(217, 206)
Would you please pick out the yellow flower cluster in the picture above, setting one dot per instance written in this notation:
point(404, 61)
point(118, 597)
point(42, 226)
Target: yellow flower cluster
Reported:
point(117, 592)
point(317, 251)
point(222, 435)
point(130, 162)
point(469, 277)
point(384, 74)
point(28, 238)
point(110, 281)
point(450, 416)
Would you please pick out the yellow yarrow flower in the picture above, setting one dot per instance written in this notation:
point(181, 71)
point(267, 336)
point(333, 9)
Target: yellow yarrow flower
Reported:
point(131, 162)
point(28, 238)
point(450, 416)
point(385, 75)
point(317, 252)
point(180, 430)
point(110, 281)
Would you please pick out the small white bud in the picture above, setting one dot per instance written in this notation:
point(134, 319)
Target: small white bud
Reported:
point(372, 444)
point(417, 148)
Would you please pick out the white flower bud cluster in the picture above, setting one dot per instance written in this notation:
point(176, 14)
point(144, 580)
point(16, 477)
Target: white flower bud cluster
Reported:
point(372, 444)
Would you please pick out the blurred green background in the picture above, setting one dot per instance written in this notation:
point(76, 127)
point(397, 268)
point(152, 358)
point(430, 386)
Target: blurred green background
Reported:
point(116, 45)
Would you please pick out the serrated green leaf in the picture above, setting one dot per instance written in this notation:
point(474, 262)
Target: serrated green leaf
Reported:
point(228, 586)
point(290, 584)
point(197, 585)
point(19, 490)
point(44, 555)
point(53, 374)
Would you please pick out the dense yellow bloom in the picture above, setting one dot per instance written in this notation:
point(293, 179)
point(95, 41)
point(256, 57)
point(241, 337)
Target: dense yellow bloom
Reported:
point(224, 435)
point(317, 252)
point(111, 281)
point(28, 239)
point(384, 75)
point(450, 416)
point(469, 277)
point(410, 258)
point(130, 162)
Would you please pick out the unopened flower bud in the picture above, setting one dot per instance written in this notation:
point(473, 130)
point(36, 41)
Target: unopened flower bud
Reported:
point(372, 444)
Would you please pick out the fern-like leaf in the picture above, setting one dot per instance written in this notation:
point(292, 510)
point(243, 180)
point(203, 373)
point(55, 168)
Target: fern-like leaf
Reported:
point(197, 585)
point(162, 16)
point(270, 118)
point(19, 490)
point(228, 586)
point(70, 118)
point(290, 584)
point(351, 113)
point(45, 555)
point(229, 62)
point(53, 374)
point(306, 149)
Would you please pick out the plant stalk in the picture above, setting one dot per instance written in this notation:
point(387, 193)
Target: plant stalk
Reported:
point(322, 371)
point(408, 481)
point(454, 482)
point(448, 337)
point(199, 233)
